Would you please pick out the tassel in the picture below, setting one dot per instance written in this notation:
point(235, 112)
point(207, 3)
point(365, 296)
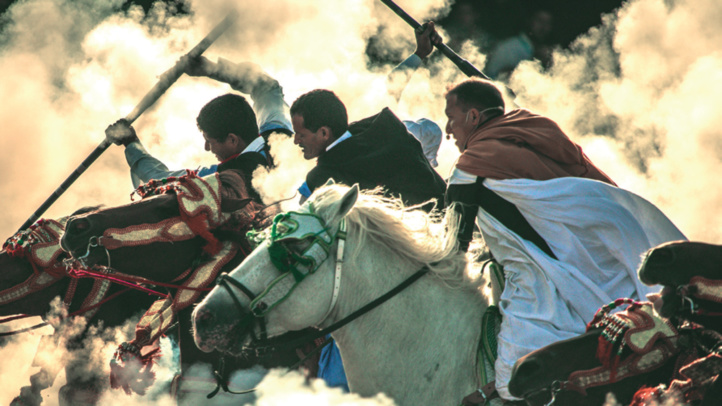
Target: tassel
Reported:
point(132, 371)
point(604, 351)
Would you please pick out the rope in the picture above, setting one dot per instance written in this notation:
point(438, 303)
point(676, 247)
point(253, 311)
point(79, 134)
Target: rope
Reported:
point(79, 273)
point(124, 279)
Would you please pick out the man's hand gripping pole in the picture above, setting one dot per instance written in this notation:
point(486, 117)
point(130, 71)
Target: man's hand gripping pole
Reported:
point(464, 65)
point(165, 81)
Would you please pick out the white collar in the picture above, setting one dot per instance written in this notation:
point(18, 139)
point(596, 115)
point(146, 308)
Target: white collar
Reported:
point(255, 145)
point(343, 137)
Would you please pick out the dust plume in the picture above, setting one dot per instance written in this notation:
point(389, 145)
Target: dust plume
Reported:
point(17, 354)
point(640, 94)
point(88, 64)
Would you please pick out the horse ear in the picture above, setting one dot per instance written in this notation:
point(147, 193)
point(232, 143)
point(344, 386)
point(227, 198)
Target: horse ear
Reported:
point(344, 205)
point(231, 204)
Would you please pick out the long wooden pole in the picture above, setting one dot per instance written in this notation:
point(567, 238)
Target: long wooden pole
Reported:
point(165, 81)
point(464, 65)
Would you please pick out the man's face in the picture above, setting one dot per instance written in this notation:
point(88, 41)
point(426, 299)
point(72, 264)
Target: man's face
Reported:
point(458, 122)
point(222, 150)
point(312, 143)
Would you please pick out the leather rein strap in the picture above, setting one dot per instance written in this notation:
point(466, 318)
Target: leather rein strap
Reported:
point(225, 279)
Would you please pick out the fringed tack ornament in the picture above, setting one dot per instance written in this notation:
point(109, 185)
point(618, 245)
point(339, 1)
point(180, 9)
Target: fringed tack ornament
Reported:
point(132, 371)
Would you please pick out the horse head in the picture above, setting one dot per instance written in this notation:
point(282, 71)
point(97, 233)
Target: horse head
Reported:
point(535, 375)
point(93, 237)
point(691, 273)
point(675, 263)
point(166, 230)
point(286, 284)
point(620, 354)
point(364, 269)
point(31, 267)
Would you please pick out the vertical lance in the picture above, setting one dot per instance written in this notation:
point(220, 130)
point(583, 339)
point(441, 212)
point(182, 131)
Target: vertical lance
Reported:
point(165, 81)
point(465, 66)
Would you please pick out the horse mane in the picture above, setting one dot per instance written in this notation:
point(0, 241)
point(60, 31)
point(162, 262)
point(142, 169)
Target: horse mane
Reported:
point(421, 238)
point(86, 209)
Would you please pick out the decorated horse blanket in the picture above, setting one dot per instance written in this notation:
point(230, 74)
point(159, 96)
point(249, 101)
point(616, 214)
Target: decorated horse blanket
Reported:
point(597, 231)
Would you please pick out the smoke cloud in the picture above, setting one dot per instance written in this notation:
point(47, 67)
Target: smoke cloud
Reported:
point(639, 93)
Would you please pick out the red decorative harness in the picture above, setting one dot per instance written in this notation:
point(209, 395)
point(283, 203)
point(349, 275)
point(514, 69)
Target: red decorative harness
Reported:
point(652, 340)
point(696, 373)
point(40, 246)
point(199, 201)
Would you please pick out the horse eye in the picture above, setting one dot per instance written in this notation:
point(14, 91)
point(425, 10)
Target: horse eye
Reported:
point(298, 246)
point(80, 225)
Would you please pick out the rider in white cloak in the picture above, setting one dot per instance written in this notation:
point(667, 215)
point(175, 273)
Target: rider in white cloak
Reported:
point(568, 239)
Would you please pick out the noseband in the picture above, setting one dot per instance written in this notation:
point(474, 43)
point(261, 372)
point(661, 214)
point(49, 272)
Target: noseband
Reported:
point(286, 227)
point(258, 308)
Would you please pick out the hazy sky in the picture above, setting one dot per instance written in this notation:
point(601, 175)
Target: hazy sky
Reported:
point(640, 93)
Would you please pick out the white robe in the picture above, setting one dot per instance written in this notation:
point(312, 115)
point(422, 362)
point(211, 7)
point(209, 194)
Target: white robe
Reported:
point(598, 233)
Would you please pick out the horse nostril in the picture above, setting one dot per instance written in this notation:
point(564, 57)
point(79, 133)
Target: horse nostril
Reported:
point(527, 369)
point(204, 319)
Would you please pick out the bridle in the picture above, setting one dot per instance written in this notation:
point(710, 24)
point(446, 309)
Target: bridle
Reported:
point(703, 289)
point(262, 345)
point(290, 226)
point(295, 226)
point(93, 242)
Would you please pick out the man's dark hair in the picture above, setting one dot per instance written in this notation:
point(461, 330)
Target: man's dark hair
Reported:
point(228, 114)
point(477, 93)
point(320, 108)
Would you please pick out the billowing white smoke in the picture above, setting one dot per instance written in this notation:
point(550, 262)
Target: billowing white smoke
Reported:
point(640, 93)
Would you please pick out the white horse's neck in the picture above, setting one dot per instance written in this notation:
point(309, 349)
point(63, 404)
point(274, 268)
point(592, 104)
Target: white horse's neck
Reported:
point(419, 347)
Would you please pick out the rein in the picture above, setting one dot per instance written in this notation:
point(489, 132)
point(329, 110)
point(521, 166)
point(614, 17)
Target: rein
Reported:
point(703, 289)
point(226, 280)
point(264, 349)
point(309, 262)
point(130, 281)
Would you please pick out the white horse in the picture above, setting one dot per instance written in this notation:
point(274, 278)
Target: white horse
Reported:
point(419, 347)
